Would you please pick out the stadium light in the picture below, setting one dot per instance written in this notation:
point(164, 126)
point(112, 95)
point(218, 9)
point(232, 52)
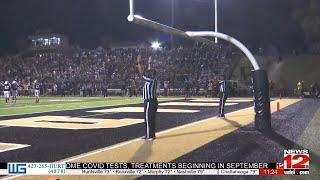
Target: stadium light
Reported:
point(155, 45)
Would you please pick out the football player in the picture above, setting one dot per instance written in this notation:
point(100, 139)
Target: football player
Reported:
point(14, 87)
point(1, 85)
point(37, 91)
point(6, 91)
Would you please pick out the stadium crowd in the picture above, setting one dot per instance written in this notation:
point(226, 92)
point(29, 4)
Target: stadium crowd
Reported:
point(92, 72)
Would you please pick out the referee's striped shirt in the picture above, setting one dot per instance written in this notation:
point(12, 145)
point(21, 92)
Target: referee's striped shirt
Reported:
point(149, 88)
point(222, 86)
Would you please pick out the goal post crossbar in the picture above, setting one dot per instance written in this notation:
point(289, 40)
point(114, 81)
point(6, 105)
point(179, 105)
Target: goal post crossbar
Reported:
point(164, 28)
point(196, 36)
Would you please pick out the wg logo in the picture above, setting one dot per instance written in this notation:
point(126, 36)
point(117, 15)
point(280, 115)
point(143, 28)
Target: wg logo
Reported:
point(17, 168)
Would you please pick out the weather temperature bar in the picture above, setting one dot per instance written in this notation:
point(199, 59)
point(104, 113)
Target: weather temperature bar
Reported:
point(170, 168)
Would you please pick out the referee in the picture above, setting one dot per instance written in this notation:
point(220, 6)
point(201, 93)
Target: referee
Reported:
point(150, 99)
point(224, 92)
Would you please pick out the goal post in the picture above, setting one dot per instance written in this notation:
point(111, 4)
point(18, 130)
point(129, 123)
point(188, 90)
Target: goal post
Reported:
point(164, 28)
point(259, 77)
point(230, 39)
point(260, 84)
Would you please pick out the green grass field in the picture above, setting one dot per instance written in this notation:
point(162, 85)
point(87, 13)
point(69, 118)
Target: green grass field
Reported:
point(26, 105)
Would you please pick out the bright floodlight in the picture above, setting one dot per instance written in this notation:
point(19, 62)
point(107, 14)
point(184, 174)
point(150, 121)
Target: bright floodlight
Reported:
point(155, 45)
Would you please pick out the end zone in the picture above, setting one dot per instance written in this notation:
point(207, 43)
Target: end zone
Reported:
point(170, 144)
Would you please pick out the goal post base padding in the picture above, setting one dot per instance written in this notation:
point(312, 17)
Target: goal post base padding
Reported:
point(261, 100)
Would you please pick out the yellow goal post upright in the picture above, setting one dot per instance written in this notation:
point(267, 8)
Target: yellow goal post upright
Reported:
point(259, 77)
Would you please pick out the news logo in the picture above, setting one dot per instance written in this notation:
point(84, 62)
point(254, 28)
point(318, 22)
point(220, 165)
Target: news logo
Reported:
point(17, 168)
point(296, 161)
point(279, 166)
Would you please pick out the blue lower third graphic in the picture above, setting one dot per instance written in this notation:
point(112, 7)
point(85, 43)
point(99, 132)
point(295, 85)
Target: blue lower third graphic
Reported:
point(17, 168)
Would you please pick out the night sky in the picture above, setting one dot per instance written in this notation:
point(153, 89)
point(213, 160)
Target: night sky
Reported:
point(91, 23)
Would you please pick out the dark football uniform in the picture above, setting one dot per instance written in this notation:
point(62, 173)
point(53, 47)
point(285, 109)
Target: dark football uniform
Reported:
point(37, 91)
point(6, 91)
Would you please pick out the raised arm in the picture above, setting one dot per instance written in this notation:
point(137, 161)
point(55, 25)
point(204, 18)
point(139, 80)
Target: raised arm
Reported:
point(140, 65)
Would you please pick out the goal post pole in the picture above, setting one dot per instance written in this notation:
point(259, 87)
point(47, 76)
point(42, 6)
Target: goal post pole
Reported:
point(131, 6)
point(216, 19)
point(260, 84)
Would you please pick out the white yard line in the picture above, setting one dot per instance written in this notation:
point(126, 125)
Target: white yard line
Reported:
point(48, 105)
point(194, 104)
point(17, 146)
point(80, 107)
point(70, 102)
point(92, 115)
point(59, 104)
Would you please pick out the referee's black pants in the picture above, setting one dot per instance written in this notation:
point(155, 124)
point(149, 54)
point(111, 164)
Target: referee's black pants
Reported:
point(150, 111)
point(223, 99)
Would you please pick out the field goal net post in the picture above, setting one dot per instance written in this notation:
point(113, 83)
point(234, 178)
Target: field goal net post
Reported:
point(260, 82)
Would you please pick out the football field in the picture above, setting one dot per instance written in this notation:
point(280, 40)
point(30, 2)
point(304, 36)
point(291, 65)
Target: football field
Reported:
point(26, 105)
point(74, 129)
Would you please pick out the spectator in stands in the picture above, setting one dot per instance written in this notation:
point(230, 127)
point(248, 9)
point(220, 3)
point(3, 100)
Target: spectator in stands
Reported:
point(105, 89)
point(210, 89)
point(300, 88)
point(166, 87)
point(64, 73)
point(315, 91)
point(271, 88)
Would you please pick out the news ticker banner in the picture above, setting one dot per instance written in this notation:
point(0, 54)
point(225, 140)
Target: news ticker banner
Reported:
point(296, 162)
